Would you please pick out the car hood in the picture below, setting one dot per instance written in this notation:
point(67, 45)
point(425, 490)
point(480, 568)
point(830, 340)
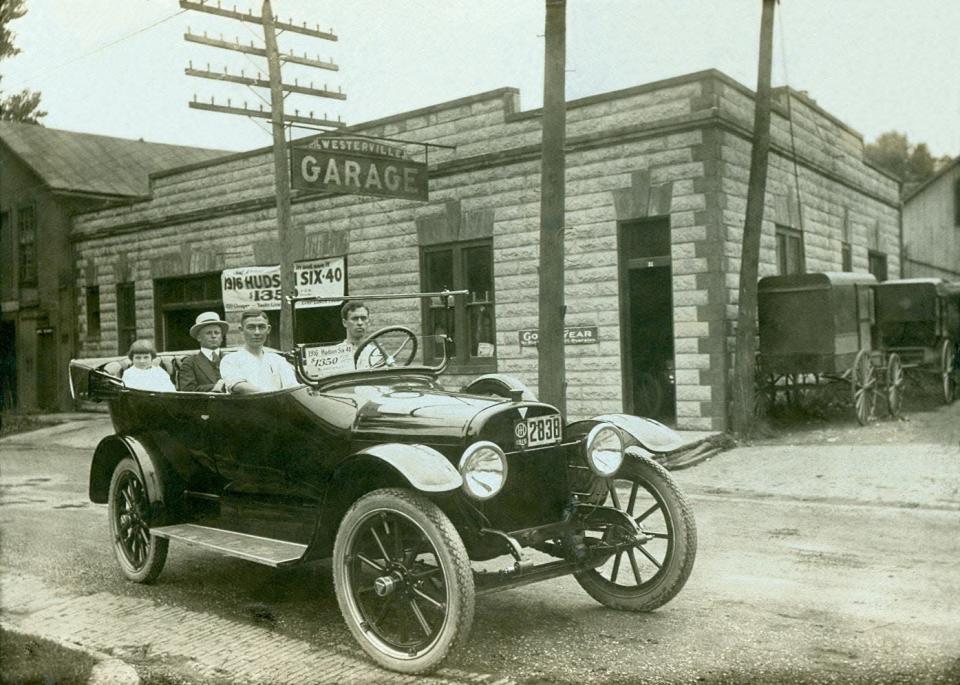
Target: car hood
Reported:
point(416, 414)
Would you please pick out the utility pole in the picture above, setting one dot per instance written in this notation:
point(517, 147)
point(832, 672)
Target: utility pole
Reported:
point(291, 237)
point(551, 363)
point(746, 338)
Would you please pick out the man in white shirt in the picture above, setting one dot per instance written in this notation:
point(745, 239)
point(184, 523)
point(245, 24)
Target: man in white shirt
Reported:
point(251, 368)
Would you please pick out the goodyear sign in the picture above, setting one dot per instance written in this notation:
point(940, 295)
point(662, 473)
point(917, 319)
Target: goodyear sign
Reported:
point(572, 335)
point(357, 166)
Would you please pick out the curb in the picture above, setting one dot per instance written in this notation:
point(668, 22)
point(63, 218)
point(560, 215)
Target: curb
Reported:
point(108, 670)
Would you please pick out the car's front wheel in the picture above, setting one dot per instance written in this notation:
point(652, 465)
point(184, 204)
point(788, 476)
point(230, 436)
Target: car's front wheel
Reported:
point(140, 554)
point(647, 574)
point(403, 580)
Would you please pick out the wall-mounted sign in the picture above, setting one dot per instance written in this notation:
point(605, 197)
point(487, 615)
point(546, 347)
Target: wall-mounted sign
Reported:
point(249, 286)
point(572, 335)
point(357, 166)
point(320, 278)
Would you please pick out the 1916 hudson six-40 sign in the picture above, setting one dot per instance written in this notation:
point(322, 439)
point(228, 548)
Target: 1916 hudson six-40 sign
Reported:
point(358, 166)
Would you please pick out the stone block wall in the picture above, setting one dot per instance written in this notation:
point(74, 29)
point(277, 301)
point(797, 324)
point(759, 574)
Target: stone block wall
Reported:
point(671, 149)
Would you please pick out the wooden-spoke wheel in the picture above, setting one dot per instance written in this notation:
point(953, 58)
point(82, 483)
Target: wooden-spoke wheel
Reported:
point(863, 382)
point(764, 393)
point(895, 379)
point(403, 580)
point(643, 575)
point(140, 554)
point(949, 379)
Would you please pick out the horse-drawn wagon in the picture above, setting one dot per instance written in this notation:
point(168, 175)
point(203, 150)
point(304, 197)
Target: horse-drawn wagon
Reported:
point(816, 330)
point(919, 319)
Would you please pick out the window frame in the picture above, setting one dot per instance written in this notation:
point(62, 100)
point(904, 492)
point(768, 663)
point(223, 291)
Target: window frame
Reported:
point(27, 271)
point(462, 360)
point(788, 233)
point(126, 315)
point(94, 316)
point(876, 257)
point(846, 257)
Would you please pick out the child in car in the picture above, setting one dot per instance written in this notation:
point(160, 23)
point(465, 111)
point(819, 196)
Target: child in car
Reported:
point(143, 375)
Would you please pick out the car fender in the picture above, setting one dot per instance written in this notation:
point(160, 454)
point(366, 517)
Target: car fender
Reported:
point(500, 385)
point(108, 454)
point(423, 467)
point(638, 432)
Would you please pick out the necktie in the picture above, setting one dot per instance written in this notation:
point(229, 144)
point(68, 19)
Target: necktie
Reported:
point(215, 358)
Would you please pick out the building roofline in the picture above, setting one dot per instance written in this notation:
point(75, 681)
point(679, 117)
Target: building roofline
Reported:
point(353, 128)
point(27, 164)
point(571, 104)
point(935, 177)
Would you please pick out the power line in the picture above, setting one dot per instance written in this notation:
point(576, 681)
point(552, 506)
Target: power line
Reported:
point(100, 48)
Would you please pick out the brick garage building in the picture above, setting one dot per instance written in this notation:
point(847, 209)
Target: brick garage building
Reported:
point(656, 194)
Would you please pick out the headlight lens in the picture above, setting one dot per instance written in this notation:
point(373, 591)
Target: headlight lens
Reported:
point(604, 450)
point(484, 470)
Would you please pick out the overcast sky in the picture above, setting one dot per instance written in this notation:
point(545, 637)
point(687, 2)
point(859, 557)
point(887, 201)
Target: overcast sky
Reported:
point(876, 64)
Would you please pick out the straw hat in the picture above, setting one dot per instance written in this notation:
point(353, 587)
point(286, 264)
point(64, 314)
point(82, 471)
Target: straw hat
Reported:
point(206, 319)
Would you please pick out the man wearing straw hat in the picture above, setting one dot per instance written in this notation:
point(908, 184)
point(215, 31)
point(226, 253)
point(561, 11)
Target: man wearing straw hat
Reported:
point(200, 372)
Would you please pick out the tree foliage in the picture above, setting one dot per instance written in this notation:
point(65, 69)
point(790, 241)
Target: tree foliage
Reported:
point(912, 164)
point(25, 105)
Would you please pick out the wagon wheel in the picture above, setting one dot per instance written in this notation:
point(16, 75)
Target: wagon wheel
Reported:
point(648, 395)
point(764, 394)
point(895, 379)
point(947, 359)
point(863, 382)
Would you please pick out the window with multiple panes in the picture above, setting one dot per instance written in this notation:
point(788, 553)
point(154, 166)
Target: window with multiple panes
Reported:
point(877, 264)
point(126, 317)
point(178, 301)
point(467, 322)
point(789, 251)
point(27, 232)
point(93, 311)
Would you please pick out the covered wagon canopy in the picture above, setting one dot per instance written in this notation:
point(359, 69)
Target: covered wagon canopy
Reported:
point(814, 322)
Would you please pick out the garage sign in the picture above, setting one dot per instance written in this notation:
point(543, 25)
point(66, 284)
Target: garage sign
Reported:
point(259, 286)
point(357, 166)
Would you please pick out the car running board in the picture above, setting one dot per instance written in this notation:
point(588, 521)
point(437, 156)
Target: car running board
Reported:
point(265, 551)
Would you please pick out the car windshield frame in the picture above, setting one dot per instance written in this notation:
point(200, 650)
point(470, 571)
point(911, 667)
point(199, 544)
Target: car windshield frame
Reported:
point(350, 376)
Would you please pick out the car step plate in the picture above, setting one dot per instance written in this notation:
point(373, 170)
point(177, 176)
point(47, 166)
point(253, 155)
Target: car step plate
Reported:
point(266, 551)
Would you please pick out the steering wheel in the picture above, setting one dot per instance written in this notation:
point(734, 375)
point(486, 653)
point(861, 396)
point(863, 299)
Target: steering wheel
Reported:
point(385, 347)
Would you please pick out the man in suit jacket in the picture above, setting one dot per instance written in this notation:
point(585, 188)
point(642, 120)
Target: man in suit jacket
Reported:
point(200, 372)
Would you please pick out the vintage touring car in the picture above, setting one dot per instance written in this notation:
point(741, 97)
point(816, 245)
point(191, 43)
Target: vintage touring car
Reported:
point(409, 487)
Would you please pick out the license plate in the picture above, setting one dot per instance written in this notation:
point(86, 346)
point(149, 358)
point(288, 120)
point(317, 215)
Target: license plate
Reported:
point(538, 431)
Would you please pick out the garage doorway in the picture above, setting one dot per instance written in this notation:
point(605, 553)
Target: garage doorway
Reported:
point(646, 314)
point(48, 368)
point(8, 365)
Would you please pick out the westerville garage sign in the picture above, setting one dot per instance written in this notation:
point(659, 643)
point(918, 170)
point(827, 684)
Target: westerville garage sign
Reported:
point(357, 166)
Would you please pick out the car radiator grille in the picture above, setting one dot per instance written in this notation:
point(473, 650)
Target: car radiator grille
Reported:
point(536, 491)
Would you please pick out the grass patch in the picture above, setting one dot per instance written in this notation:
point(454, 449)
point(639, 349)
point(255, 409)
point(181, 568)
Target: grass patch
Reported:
point(19, 423)
point(27, 659)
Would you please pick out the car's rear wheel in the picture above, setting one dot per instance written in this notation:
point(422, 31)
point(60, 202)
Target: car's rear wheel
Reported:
point(648, 574)
point(140, 554)
point(403, 580)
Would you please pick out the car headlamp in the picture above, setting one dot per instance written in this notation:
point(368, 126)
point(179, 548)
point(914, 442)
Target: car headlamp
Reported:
point(484, 470)
point(604, 450)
